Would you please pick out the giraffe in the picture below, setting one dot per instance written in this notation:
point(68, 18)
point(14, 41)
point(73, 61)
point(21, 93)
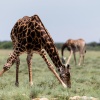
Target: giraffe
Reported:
point(30, 36)
point(74, 46)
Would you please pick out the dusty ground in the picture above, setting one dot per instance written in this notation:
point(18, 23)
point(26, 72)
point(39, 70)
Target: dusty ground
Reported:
point(71, 98)
point(82, 98)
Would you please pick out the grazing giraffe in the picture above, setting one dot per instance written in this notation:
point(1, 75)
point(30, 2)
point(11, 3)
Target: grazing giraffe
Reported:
point(74, 46)
point(29, 35)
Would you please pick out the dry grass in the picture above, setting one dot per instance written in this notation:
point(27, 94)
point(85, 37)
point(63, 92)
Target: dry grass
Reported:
point(85, 79)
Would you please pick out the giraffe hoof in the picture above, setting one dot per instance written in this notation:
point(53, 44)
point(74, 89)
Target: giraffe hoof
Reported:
point(31, 83)
point(17, 84)
point(79, 64)
point(64, 85)
point(1, 72)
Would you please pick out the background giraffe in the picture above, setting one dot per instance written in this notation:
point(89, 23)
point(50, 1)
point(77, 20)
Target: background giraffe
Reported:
point(29, 35)
point(74, 46)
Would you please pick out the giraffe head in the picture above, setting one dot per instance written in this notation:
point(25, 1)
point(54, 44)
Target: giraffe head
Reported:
point(65, 75)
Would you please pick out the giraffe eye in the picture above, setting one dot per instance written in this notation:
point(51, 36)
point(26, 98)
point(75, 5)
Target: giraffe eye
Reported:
point(59, 70)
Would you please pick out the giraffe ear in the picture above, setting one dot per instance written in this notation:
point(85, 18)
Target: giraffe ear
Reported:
point(68, 66)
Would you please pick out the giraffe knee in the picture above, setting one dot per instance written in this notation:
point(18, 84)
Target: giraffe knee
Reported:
point(18, 61)
point(6, 67)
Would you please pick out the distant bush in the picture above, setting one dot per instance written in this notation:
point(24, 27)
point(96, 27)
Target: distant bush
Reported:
point(6, 45)
point(93, 46)
point(90, 46)
point(58, 45)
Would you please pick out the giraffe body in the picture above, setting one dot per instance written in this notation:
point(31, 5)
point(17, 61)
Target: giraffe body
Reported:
point(74, 46)
point(29, 35)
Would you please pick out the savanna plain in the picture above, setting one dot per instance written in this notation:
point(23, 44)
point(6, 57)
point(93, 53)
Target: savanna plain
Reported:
point(85, 79)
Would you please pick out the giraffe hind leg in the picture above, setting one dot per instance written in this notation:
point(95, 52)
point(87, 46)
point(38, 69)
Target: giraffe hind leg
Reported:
point(29, 57)
point(29, 63)
point(17, 71)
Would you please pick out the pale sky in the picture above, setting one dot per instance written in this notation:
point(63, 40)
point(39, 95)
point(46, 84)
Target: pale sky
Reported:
point(63, 19)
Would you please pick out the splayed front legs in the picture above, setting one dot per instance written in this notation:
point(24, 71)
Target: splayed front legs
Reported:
point(15, 58)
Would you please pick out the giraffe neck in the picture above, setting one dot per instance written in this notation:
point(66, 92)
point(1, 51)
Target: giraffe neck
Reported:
point(53, 54)
point(48, 45)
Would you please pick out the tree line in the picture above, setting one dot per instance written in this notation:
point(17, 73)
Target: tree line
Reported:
point(89, 46)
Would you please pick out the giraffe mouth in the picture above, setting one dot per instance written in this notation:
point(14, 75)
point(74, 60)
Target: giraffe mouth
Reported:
point(66, 81)
point(69, 85)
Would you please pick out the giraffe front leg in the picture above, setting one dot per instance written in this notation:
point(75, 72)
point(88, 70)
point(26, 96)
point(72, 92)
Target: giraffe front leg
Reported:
point(17, 71)
point(50, 66)
point(74, 57)
point(69, 58)
point(29, 62)
point(10, 61)
point(80, 59)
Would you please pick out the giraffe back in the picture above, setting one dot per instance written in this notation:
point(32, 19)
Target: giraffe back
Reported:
point(29, 33)
point(76, 45)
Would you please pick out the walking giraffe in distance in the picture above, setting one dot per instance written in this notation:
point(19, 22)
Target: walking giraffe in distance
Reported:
point(74, 46)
